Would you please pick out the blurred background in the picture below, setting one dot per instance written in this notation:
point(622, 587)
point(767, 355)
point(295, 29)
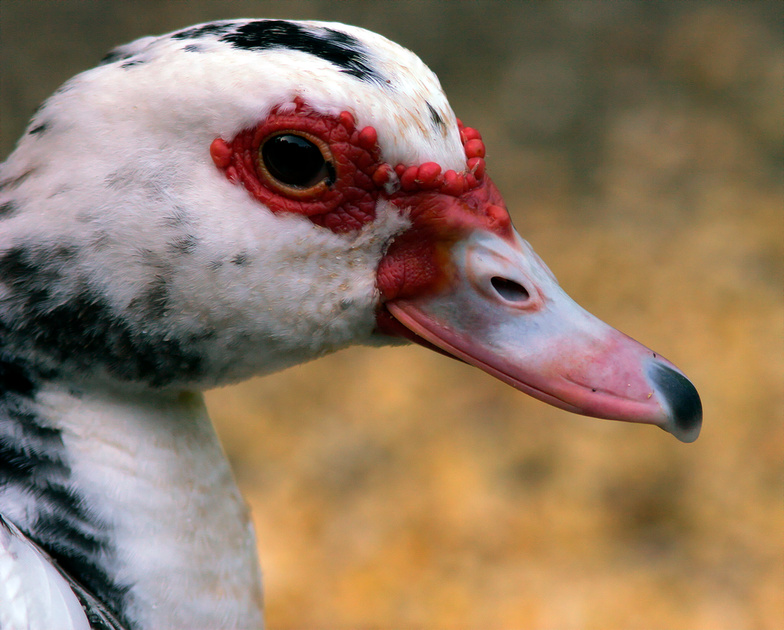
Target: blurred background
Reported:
point(639, 147)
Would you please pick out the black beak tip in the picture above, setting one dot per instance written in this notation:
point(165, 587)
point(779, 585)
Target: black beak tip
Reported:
point(683, 400)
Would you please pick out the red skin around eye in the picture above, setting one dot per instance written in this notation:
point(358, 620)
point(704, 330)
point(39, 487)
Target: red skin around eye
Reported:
point(442, 206)
point(345, 205)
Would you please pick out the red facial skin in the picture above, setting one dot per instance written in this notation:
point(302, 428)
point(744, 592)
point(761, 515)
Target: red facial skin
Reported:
point(345, 205)
point(442, 207)
point(436, 279)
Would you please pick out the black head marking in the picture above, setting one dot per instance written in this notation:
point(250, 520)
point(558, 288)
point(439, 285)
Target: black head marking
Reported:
point(193, 48)
point(132, 62)
point(8, 209)
point(39, 129)
point(435, 116)
point(215, 28)
point(118, 54)
point(240, 259)
point(13, 378)
point(340, 49)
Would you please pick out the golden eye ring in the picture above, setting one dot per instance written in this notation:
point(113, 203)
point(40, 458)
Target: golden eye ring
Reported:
point(296, 163)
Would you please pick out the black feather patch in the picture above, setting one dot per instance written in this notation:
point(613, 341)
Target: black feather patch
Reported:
point(131, 63)
point(435, 116)
point(38, 129)
point(240, 259)
point(33, 463)
point(49, 308)
point(195, 32)
point(8, 208)
point(118, 54)
point(340, 49)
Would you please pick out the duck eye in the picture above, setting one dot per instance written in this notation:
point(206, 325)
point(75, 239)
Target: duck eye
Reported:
point(297, 161)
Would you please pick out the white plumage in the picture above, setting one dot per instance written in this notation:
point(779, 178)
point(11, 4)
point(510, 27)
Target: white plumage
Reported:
point(225, 201)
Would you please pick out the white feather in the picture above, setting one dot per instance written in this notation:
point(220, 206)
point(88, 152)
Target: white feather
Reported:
point(33, 594)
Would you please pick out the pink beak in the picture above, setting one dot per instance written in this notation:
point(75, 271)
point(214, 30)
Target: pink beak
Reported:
point(503, 311)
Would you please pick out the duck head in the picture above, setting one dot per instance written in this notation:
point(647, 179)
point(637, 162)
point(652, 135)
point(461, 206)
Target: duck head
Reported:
point(241, 196)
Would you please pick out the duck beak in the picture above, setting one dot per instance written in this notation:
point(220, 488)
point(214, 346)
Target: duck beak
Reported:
point(502, 310)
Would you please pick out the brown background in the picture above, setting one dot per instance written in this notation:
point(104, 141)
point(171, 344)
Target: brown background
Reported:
point(639, 147)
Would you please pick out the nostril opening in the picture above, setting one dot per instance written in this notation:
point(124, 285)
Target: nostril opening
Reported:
point(510, 290)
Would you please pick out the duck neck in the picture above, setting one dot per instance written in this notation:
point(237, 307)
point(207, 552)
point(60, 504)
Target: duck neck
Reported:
point(133, 496)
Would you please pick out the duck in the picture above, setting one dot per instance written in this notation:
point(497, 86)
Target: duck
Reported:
point(222, 202)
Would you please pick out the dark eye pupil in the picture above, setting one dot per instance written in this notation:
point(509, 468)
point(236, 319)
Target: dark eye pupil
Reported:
point(294, 160)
